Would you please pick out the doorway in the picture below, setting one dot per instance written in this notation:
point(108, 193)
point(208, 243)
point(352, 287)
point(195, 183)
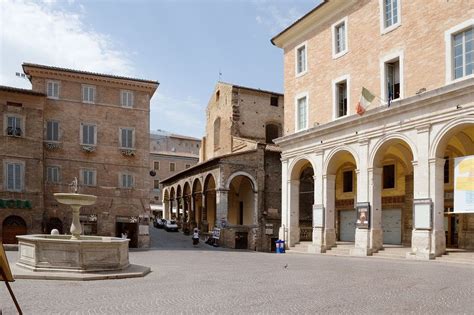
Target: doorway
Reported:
point(13, 226)
point(130, 229)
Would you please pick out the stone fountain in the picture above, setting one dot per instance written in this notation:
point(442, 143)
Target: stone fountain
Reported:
point(43, 254)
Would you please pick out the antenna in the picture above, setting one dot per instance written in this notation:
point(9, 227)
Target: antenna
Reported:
point(220, 74)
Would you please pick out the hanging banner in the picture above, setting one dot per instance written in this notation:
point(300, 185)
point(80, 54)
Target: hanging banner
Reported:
point(464, 184)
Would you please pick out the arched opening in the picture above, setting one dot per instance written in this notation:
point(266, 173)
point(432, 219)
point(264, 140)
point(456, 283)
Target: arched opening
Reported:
point(13, 226)
point(272, 131)
point(302, 200)
point(341, 193)
point(54, 223)
point(173, 211)
point(392, 191)
point(197, 202)
point(188, 217)
point(456, 177)
point(217, 132)
point(179, 206)
point(209, 212)
point(241, 201)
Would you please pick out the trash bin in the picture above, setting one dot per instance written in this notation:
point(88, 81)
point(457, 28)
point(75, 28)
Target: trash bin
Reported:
point(280, 247)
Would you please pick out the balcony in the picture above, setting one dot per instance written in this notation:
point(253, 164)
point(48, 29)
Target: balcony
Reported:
point(128, 151)
point(52, 145)
point(14, 132)
point(88, 148)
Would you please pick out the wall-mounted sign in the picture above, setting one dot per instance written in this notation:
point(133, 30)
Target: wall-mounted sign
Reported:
point(422, 218)
point(318, 216)
point(269, 229)
point(464, 184)
point(15, 204)
point(363, 215)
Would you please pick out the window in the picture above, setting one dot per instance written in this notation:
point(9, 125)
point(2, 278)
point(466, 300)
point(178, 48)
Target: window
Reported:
point(463, 53)
point(52, 131)
point(218, 94)
point(172, 167)
point(126, 98)
point(126, 137)
point(446, 170)
point(52, 174)
point(52, 90)
point(187, 166)
point(274, 101)
point(88, 177)
point(388, 176)
point(156, 184)
point(88, 94)
point(14, 126)
point(14, 176)
point(390, 15)
point(339, 35)
point(302, 113)
point(301, 63)
point(347, 181)
point(156, 165)
point(126, 181)
point(271, 133)
point(391, 67)
point(89, 134)
point(341, 88)
point(217, 132)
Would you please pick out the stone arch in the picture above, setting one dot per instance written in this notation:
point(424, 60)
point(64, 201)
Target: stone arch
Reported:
point(197, 185)
point(389, 140)
point(440, 141)
point(242, 173)
point(328, 163)
point(296, 166)
point(12, 226)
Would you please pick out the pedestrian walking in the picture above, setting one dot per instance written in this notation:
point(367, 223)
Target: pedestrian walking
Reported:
point(195, 236)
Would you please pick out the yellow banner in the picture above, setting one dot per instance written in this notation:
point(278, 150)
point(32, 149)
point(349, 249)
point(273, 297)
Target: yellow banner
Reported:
point(464, 184)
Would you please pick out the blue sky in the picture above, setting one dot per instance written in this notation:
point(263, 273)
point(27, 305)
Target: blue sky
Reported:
point(182, 43)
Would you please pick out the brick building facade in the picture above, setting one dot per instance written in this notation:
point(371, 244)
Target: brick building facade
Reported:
point(235, 187)
point(92, 128)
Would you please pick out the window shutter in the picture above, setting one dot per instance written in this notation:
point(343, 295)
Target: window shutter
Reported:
point(84, 134)
point(17, 176)
point(55, 131)
point(130, 99)
point(50, 89)
point(130, 139)
point(10, 181)
point(124, 136)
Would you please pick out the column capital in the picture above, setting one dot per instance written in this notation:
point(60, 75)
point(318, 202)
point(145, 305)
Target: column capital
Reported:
point(375, 170)
point(363, 141)
point(437, 161)
point(423, 128)
point(329, 177)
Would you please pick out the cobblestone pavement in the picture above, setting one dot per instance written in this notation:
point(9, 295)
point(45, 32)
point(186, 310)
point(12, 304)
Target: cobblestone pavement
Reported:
point(207, 280)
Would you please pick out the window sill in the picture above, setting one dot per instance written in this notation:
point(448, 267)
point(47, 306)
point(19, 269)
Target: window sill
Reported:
point(466, 77)
point(340, 54)
point(128, 151)
point(88, 148)
point(56, 98)
point(391, 28)
point(52, 145)
point(88, 102)
point(298, 75)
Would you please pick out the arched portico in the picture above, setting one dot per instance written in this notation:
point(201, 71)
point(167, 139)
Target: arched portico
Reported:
point(242, 199)
point(197, 204)
point(209, 211)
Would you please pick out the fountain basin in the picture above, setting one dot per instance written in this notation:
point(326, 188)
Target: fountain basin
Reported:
point(75, 199)
point(60, 253)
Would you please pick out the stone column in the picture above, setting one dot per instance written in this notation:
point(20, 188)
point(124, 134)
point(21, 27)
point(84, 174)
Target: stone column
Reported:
point(222, 207)
point(318, 208)
point(282, 234)
point(329, 202)
point(421, 236)
point(294, 212)
point(375, 200)
point(438, 238)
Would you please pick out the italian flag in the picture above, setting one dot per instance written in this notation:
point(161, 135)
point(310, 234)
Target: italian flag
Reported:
point(365, 99)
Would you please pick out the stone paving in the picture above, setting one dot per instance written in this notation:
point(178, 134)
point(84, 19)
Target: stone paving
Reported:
point(207, 280)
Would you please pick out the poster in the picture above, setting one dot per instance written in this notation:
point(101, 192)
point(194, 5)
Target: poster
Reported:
point(4, 265)
point(464, 184)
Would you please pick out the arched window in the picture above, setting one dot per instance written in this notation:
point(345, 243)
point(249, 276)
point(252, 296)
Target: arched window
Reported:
point(217, 132)
point(271, 132)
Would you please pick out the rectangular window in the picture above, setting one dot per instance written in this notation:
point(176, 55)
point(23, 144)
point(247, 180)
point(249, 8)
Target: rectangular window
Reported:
point(347, 178)
point(127, 181)
point(274, 101)
point(126, 98)
point(388, 176)
point(156, 165)
point(52, 90)
point(156, 184)
point(88, 94)
point(302, 113)
point(301, 59)
point(52, 131)
point(88, 177)
point(341, 94)
point(14, 126)
point(390, 12)
point(392, 75)
point(446, 170)
point(52, 174)
point(172, 167)
point(89, 134)
point(126, 137)
point(463, 53)
point(14, 177)
point(340, 37)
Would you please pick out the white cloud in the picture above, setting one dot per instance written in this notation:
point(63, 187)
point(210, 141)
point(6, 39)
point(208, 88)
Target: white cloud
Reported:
point(182, 116)
point(276, 18)
point(40, 32)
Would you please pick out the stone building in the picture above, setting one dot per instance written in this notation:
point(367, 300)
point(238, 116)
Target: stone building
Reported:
point(21, 155)
point(383, 176)
point(93, 127)
point(169, 154)
point(236, 185)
